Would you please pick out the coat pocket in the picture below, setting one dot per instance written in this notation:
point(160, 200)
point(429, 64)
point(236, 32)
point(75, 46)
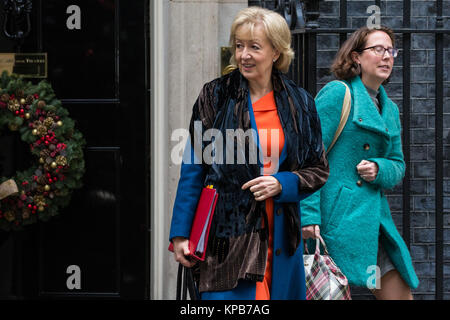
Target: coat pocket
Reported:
point(340, 207)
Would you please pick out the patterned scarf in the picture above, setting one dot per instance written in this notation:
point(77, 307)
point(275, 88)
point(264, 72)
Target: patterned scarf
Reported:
point(222, 105)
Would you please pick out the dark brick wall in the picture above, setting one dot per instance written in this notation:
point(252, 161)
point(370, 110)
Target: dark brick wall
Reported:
point(422, 132)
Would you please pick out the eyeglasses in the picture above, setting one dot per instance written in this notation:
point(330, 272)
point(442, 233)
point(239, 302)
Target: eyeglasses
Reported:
point(381, 51)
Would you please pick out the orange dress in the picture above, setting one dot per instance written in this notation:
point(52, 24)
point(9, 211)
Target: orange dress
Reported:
point(266, 117)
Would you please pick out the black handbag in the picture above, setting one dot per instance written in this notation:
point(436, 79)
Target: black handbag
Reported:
point(185, 283)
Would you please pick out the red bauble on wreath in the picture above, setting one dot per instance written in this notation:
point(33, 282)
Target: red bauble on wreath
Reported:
point(41, 190)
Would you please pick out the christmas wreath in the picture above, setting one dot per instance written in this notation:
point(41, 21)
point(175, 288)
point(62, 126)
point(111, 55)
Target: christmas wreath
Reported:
point(44, 124)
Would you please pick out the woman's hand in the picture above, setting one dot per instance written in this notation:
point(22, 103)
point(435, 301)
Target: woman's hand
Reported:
point(368, 170)
point(312, 231)
point(263, 187)
point(181, 251)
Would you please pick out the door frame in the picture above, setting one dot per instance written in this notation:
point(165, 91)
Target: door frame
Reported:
point(158, 148)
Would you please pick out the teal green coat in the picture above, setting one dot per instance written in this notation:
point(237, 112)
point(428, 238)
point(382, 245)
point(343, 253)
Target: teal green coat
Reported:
point(350, 211)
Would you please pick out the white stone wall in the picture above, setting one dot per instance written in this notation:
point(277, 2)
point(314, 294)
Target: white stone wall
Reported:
point(184, 57)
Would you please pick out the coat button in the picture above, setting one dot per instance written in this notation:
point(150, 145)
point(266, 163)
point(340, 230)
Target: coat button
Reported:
point(360, 119)
point(279, 211)
point(278, 252)
point(366, 146)
point(387, 130)
point(359, 183)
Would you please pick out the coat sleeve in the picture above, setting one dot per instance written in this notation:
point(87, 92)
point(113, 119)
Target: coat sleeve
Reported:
point(298, 185)
point(391, 169)
point(193, 171)
point(329, 105)
point(189, 188)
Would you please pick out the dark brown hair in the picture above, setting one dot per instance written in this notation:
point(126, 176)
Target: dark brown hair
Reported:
point(343, 66)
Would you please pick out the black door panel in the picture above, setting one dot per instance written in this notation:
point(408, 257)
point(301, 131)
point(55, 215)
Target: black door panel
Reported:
point(104, 232)
point(87, 56)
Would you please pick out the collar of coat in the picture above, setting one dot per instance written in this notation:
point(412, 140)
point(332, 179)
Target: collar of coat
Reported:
point(365, 112)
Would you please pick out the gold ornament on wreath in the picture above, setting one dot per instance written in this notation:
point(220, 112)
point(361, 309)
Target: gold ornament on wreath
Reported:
point(40, 191)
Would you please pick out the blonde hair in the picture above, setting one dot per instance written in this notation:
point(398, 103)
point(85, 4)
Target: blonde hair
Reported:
point(275, 28)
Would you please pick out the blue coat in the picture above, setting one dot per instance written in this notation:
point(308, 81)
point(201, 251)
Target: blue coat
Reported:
point(288, 275)
point(350, 211)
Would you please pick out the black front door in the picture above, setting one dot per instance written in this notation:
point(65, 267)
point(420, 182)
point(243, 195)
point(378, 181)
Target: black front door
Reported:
point(99, 245)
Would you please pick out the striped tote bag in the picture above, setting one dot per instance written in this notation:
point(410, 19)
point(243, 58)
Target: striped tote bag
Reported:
point(324, 280)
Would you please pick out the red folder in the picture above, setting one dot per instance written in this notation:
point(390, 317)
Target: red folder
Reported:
point(198, 239)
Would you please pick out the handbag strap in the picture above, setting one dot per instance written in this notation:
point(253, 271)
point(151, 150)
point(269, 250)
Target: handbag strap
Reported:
point(319, 241)
point(190, 284)
point(346, 105)
point(179, 281)
point(185, 282)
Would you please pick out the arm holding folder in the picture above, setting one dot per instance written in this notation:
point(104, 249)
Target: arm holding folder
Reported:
point(188, 194)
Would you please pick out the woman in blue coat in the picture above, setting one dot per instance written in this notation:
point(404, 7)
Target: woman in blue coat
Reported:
point(254, 249)
point(351, 209)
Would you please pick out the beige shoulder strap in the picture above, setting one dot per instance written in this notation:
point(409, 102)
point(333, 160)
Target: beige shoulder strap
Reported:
point(346, 105)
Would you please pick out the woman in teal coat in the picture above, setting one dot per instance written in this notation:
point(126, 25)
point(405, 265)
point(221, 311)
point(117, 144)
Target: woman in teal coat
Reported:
point(351, 209)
